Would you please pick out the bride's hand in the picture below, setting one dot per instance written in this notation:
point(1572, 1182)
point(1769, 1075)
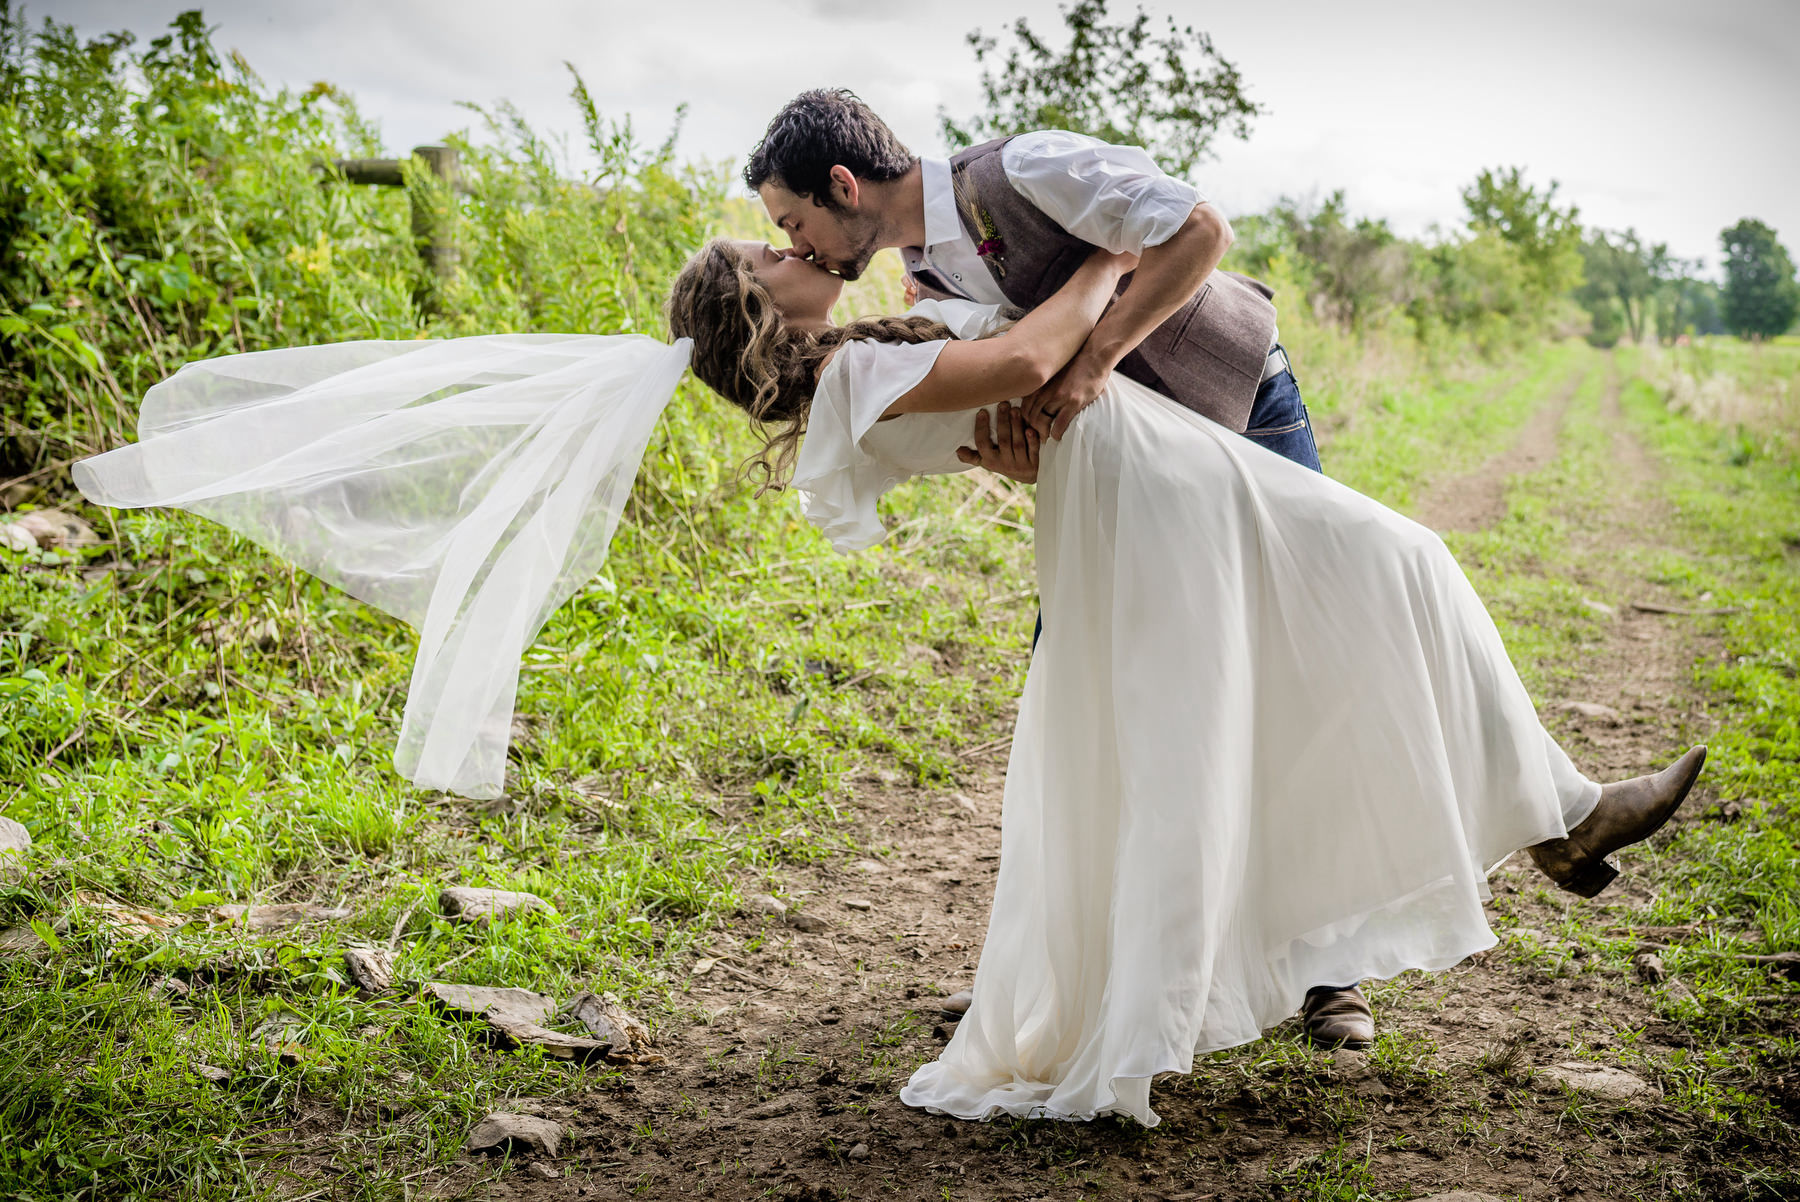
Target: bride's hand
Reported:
point(1010, 449)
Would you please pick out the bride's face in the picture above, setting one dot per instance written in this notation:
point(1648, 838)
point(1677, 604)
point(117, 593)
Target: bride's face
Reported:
point(802, 293)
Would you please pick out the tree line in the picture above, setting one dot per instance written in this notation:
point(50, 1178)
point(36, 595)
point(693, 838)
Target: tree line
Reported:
point(162, 203)
point(1521, 264)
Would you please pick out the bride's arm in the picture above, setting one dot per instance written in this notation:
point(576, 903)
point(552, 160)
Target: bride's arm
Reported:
point(970, 375)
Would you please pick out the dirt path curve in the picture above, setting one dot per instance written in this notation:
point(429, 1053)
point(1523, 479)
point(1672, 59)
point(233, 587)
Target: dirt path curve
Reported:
point(786, 1055)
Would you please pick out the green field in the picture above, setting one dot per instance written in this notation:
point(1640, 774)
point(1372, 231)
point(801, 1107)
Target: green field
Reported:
point(731, 712)
point(188, 724)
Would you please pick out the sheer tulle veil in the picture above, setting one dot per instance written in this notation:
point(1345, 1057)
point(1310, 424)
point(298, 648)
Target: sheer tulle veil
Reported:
point(467, 486)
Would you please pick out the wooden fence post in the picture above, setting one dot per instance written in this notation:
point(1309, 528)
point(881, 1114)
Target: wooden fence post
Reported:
point(433, 225)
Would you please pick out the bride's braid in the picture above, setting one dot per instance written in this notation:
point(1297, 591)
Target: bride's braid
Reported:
point(744, 352)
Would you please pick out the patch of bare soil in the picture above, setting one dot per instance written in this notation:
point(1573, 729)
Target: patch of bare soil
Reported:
point(788, 1048)
point(1478, 500)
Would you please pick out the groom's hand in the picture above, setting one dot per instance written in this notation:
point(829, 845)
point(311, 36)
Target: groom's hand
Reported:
point(1009, 447)
point(1051, 408)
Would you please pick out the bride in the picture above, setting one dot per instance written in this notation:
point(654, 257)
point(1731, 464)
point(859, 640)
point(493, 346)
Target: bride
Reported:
point(1270, 738)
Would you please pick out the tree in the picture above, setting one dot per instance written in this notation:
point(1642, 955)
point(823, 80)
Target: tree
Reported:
point(1760, 297)
point(1171, 94)
point(1623, 269)
point(1548, 237)
point(1359, 268)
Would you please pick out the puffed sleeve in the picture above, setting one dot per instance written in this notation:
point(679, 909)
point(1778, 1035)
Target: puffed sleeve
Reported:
point(838, 481)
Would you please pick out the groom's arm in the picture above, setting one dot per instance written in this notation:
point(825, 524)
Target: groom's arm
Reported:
point(1118, 198)
point(1167, 277)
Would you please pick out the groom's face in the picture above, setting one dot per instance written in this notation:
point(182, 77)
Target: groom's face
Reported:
point(838, 236)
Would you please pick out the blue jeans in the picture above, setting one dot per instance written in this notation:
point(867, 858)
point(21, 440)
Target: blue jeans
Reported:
point(1278, 422)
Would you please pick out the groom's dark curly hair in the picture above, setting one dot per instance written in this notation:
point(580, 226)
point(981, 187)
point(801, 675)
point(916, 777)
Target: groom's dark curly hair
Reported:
point(818, 130)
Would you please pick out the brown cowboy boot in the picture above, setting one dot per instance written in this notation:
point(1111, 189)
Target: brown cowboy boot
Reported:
point(1629, 811)
point(1338, 1018)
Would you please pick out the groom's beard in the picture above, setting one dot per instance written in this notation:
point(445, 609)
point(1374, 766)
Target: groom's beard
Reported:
point(864, 237)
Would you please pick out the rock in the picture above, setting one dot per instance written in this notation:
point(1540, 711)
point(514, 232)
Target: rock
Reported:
point(481, 905)
point(1600, 607)
point(873, 867)
point(481, 1001)
point(806, 924)
point(502, 1132)
point(1591, 709)
point(127, 920)
point(858, 903)
point(207, 1072)
point(764, 903)
point(963, 803)
point(1786, 964)
point(515, 1016)
point(370, 968)
point(774, 1108)
point(283, 1038)
point(1649, 967)
point(14, 838)
point(1601, 1081)
point(14, 537)
point(54, 529)
point(169, 987)
point(919, 651)
point(22, 941)
point(273, 918)
point(1350, 1062)
point(608, 1022)
point(542, 1171)
point(958, 1003)
point(516, 1033)
point(859, 1152)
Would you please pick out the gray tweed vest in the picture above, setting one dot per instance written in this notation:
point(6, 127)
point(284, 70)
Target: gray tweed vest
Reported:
point(1208, 356)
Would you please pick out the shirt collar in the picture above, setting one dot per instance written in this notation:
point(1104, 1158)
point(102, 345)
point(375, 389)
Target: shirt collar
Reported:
point(942, 223)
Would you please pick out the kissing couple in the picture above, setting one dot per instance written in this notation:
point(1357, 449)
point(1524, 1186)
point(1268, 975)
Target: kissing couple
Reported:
point(1270, 743)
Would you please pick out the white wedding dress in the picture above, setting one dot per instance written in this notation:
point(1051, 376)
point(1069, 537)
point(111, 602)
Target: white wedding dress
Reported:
point(1270, 739)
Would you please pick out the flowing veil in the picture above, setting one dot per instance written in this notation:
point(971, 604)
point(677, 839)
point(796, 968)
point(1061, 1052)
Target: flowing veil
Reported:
point(468, 486)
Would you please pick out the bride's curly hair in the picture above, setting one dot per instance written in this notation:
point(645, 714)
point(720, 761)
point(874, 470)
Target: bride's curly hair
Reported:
point(745, 353)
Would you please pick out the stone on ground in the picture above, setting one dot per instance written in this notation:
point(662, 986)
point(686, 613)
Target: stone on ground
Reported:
point(274, 918)
point(774, 1108)
point(806, 924)
point(14, 838)
point(1602, 1081)
point(515, 1016)
point(14, 537)
point(608, 1022)
point(22, 941)
point(370, 968)
point(542, 1171)
point(481, 1001)
point(54, 530)
point(764, 903)
point(1592, 709)
point(481, 905)
point(502, 1132)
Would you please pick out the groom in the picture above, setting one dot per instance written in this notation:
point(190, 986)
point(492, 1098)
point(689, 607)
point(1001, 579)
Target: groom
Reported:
point(1007, 223)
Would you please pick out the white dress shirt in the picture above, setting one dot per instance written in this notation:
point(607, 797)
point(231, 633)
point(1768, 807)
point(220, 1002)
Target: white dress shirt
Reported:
point(1112, 196)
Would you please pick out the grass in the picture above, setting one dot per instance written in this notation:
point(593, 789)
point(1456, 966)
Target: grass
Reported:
point(188, 723)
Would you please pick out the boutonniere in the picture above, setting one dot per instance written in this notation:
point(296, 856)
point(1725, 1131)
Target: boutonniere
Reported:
point(992, 247)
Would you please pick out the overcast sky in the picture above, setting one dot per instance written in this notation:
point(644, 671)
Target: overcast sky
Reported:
point(1675, 118)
